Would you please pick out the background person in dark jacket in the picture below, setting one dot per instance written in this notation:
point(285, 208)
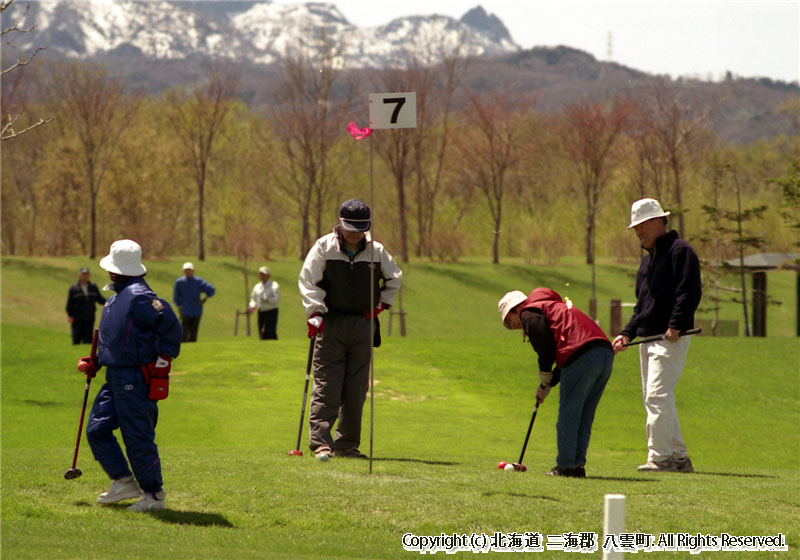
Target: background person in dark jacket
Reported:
point(668, 292)
point(334, 286)
point(188, 298)
point(564, 335)
point(139, 333)
point(82, 300)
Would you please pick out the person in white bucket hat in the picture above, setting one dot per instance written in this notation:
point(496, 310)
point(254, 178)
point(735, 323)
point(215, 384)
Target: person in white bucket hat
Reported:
point(138, 337)
point(668, 291)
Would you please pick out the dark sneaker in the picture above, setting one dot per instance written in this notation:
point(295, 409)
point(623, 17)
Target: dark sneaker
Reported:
point(683, 464)
point(667, 465)
point(580, 471)
point(351, 453)
point(571, 472)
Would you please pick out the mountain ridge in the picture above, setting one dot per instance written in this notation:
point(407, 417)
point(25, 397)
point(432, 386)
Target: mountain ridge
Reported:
point(255, 31)
point(157, 46)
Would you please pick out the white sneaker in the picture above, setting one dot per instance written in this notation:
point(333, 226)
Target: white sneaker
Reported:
point(150, 502)
point(121, 489)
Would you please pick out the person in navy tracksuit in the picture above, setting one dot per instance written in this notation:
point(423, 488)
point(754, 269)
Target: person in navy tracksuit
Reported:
point(139, 335)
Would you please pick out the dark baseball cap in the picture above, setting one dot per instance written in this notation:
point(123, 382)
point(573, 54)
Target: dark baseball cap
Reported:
point(83, 270)
point(354, 215)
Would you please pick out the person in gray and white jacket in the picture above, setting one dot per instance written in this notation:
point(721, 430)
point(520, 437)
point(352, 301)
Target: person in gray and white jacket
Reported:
point(264, 298)
point(335, 289)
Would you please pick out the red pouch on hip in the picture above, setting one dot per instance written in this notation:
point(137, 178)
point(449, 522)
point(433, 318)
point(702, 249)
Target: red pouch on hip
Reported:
point(159, 388)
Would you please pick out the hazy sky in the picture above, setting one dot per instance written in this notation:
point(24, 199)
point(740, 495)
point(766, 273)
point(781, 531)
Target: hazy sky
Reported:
point(751, 38)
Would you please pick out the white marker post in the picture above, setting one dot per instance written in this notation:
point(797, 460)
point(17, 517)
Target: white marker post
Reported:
point(614, 521)
point(386, 110)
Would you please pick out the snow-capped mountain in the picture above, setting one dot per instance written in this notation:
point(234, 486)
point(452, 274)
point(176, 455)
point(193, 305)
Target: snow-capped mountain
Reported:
point(258, 31)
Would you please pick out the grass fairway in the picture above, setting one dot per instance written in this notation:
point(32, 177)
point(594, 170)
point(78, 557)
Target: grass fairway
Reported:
point(451, 400)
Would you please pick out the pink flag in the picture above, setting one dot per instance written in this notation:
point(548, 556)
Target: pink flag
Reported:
point(358, 133)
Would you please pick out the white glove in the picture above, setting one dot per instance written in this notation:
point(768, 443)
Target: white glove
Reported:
point(546, 377)
point(316, 321)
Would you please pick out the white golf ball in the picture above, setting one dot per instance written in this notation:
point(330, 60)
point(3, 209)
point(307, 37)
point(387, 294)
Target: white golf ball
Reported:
point(323, 457)
point(509, 468)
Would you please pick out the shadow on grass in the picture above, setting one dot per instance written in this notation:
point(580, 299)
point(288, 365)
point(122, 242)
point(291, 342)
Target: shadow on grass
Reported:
point(518, 495)
point(42, 403)
point(737, 475)
point(423, 461)
point(197, 518)
point(622, 479)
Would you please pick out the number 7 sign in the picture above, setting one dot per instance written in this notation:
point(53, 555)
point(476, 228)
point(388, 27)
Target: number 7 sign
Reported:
point(393, 110)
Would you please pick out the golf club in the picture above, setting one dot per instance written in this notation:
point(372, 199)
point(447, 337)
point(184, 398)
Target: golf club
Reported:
point(296, 450)
point(518, 466)
point(661, 337)
point(75, 472)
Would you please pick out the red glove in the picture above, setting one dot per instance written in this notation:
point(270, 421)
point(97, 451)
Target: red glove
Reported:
point(89, 366)
point(375, 312)
point(160, 368)
point(316, 323)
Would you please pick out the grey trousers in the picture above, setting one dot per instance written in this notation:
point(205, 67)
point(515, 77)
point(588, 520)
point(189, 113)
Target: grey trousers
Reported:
point(341, 380)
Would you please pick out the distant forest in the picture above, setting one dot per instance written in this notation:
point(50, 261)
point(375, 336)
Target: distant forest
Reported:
point(536, 155)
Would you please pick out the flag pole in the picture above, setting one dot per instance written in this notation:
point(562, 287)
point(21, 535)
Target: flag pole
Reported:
point(372, 307)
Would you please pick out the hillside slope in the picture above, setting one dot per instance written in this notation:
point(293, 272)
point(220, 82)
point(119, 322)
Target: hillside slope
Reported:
point(440, 300)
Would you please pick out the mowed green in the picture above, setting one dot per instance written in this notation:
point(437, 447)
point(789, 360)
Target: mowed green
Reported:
point(451, 399)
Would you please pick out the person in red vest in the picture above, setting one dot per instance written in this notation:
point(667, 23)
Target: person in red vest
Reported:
point(563, 335)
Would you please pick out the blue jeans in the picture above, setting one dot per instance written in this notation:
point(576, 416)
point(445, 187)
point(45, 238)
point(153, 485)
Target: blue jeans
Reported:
point(122, 403)
point(582, 385)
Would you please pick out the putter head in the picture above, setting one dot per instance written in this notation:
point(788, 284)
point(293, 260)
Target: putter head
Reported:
point(296, 452)
point(72, 473)
point(519, 467)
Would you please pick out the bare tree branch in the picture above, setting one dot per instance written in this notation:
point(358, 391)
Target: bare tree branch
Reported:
point(7, 132)
point(19, 63)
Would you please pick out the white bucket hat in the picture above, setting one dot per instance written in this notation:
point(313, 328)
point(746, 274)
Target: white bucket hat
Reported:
point(188, 266)
point(509, 302)
point(125, 258)
point(645, 209)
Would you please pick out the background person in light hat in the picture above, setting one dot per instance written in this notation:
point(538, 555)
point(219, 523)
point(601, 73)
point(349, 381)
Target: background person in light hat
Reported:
point(139, 336)
point(189, 295)
point(668, 291)
point(334, 286)
point(264, 298)
point(82, 300)
point(562, 334)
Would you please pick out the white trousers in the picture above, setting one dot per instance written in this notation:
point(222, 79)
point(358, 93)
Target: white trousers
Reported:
point(661, 365)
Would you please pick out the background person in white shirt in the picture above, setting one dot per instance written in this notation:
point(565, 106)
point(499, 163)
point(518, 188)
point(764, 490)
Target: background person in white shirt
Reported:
point(265, 297)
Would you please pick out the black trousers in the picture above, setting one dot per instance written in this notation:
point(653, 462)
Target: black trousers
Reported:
point(268, 324)
point(82, 331)
point(190, 326)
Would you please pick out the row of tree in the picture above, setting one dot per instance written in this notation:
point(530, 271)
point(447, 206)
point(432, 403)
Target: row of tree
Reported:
point(197, 170)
